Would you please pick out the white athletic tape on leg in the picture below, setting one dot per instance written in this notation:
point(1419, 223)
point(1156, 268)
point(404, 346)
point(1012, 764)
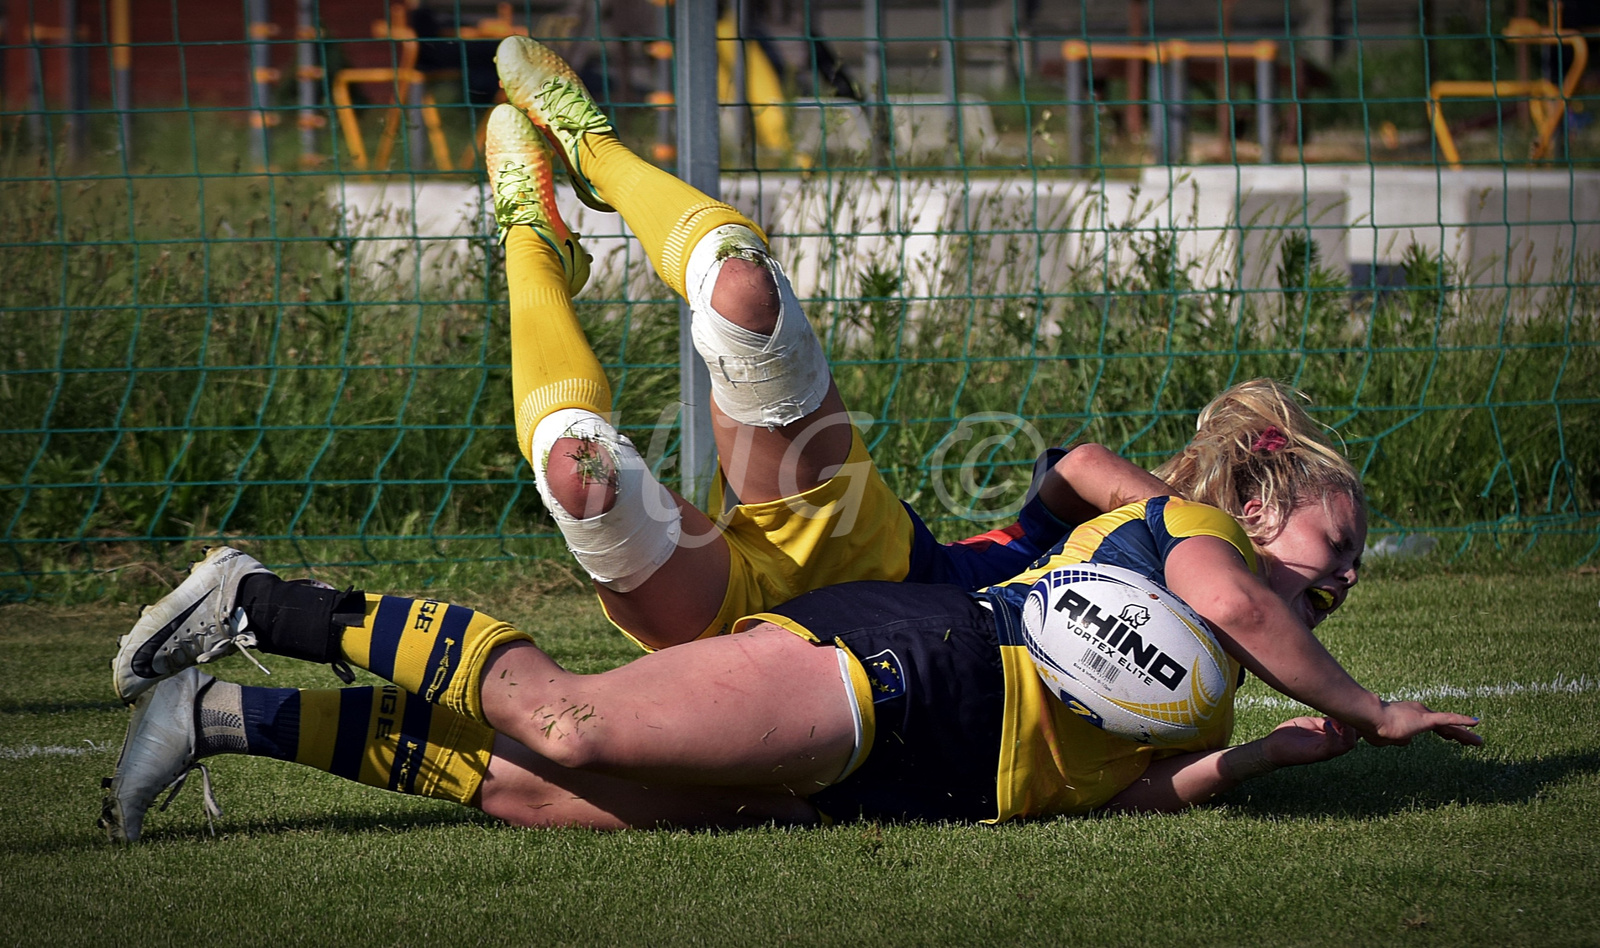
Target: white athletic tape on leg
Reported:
point(624, 546)
point(756, 380)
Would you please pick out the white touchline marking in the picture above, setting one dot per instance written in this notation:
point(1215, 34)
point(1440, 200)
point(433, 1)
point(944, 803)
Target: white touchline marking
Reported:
point(51, 750)
point(1560, 685)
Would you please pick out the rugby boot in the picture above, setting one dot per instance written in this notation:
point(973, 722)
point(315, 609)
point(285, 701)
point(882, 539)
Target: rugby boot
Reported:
point(195, 623)
point(157, 755)
point(523, 186)
point(541, 84)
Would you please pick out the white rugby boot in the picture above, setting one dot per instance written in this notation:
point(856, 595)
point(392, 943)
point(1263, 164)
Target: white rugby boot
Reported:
point(158, 753)
point(545, 88)
point(194, 623)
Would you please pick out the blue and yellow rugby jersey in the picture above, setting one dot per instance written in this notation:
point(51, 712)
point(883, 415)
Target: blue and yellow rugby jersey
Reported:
point(1051, 760)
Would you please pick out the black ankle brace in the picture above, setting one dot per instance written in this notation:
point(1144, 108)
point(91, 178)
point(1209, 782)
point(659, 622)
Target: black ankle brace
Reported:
point(298, 618)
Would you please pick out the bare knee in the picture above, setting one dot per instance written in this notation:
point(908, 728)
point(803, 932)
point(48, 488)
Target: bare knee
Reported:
point(568, 736)
point(746, 295)
point(582, 477)
point(543, 707)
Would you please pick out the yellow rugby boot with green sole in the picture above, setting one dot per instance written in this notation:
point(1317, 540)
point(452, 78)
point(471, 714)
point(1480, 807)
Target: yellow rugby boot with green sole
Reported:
point(523, 187)
point(541, 84)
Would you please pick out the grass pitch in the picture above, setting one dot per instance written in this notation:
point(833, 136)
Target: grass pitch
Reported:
point(1430, 845)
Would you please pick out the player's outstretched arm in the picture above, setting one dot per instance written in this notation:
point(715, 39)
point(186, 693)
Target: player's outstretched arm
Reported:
point(1091, 479)
point(1260, 631)
point(1185, 780)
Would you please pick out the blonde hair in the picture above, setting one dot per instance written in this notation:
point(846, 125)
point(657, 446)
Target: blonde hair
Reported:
point(1255, 442)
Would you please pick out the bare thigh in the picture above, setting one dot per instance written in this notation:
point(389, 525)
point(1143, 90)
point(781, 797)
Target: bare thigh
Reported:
point(525, 789)
point(759, 709)
point(763, 464)
point(682, 598)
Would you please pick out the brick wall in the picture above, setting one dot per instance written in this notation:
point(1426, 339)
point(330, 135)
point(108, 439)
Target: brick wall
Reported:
point(210, 68)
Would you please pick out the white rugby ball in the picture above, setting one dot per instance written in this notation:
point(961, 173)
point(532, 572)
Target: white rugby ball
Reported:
point(1124, 653)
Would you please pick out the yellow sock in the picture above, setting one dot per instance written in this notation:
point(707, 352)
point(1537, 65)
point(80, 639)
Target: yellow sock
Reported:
point(552, 366)
point(381, 737)
point(432, 649)
point(667, 215)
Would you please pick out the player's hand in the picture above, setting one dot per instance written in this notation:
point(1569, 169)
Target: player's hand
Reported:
point(1403, 720)
point(1308, 740)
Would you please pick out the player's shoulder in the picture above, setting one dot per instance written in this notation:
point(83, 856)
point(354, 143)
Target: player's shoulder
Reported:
point(1175, 519)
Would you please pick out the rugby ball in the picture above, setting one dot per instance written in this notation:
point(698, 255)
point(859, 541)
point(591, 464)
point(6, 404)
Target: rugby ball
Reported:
point(1124, 654)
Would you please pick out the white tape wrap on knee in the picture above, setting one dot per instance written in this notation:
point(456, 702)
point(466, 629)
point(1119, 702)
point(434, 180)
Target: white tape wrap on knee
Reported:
point(624, 546)
point(756, 380)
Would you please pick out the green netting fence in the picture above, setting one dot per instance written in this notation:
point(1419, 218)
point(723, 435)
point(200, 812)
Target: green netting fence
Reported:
point(222, 315)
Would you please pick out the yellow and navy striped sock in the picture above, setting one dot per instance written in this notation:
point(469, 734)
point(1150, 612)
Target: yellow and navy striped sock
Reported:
point(432, 649)
point(381, 737)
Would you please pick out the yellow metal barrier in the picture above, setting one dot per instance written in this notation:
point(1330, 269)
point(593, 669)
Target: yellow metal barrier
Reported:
point(1547, 103)
point(407, 82)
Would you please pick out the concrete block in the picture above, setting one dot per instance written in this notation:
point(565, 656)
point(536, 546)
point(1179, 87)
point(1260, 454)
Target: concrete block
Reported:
point(994, 238)
point(921, 127)
point(410, 235)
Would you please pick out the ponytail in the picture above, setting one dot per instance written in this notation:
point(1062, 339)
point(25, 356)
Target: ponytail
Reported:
point(1255, 442)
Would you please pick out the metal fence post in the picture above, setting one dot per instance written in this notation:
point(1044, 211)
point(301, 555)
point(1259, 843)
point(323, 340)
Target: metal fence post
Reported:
point(1177, 110)
point(700, 164)
point(1156, 105)
point(951, 81)
point(259, 30)
point(77, 75)
point(877, 84)
point(308, 76)
point(416, 143)
point(1264, 130)
point(121, 84)
point(1076, 98)
point(35, 93)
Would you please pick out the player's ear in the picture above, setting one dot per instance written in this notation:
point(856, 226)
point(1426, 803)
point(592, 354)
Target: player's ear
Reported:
point(1259, 520)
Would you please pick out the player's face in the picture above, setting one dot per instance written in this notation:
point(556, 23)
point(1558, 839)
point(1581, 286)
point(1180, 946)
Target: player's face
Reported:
point(1313, 560)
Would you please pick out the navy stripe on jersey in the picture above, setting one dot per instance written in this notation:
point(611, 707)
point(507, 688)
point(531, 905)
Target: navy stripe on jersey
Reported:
point(271, 721)
point(1155, 513)
point(445, 658)
point(1140, 545)
point(411, 745)
point(387, 627)
point(355, 709)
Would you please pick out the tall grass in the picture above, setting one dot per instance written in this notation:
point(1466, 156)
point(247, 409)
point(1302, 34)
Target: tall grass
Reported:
point(1468, 404)
point(195, 356)
point(200, 357)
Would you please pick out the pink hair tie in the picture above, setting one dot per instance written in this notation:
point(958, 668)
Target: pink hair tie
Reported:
point(1269, 441)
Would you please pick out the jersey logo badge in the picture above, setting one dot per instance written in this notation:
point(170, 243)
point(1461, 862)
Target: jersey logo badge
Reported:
point(883, 672)
point(1082, 710)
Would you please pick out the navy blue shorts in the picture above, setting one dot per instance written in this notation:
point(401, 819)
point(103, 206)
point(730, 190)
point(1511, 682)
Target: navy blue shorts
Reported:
point(934, 661)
